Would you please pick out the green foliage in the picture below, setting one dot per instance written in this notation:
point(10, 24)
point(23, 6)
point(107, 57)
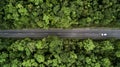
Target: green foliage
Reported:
point(53, 51)
point(88, 45)
point(117, 53)
point(37, 2)
point(30, 63)
point(39, 58)
point(106, 62)
point(58, 13)
point(57, 52)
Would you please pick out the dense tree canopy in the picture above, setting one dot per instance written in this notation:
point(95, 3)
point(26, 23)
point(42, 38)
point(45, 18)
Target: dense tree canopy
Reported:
point(58, 13)
point(57, 52)
point(54, 51)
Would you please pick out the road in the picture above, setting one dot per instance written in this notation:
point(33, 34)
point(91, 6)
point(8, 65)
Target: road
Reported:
point(82, 33)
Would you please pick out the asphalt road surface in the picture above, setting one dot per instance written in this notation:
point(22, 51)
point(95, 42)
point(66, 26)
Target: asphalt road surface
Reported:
point(82, 33)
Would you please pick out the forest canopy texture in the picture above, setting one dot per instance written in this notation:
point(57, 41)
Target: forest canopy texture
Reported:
point(53, 51)
point(19, 14)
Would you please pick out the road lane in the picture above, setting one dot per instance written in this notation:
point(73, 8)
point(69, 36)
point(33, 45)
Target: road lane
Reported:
point(82, 33)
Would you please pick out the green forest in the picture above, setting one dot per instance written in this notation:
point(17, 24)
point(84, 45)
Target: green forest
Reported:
point(53, 51)
point(59, 13)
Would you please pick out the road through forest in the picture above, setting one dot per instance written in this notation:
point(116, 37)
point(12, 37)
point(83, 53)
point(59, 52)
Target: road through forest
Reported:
point(81, 33)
